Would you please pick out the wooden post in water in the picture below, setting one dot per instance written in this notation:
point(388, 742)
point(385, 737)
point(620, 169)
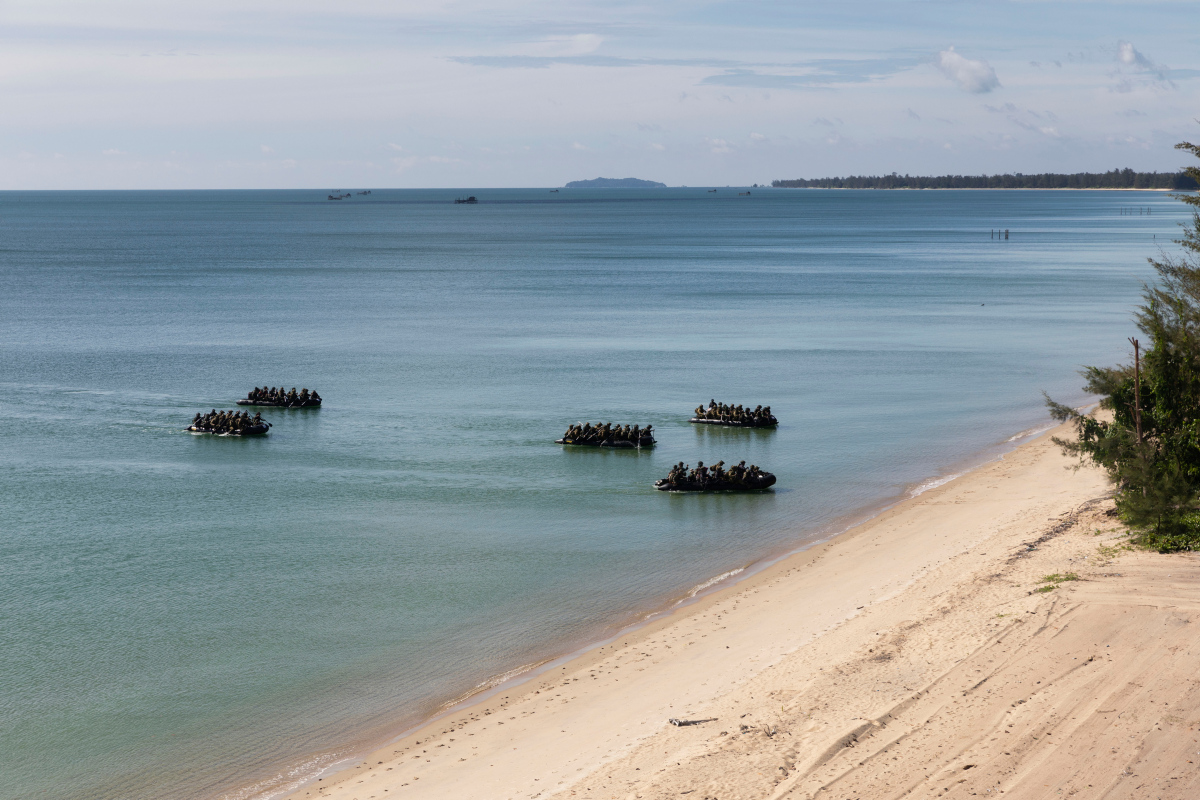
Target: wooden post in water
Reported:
point(1137, 389)
point(1006, 234)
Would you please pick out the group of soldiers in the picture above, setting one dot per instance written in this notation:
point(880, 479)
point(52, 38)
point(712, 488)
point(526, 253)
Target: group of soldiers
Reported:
point(717, 473)
point(589, 434)
point(228, 422)
point(274, 395)
point(724, 413)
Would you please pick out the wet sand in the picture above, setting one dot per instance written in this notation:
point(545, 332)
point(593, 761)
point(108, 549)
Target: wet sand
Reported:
point(921, 654)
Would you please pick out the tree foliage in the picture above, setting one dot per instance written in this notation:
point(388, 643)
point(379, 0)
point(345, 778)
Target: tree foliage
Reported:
point(1157, 476)
point(1113, 179)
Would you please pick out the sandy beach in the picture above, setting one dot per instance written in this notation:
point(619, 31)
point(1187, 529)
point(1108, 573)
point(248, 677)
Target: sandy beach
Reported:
point(921, 654)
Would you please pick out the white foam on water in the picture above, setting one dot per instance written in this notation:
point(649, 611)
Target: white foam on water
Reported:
point(714, 581)
point(1027, 433)
point(932, 483)
point(505, 676)
point(289, 780)
point(491, 683)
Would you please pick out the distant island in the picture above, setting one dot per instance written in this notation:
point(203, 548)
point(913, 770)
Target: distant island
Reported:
point(615, 183)
point(1113, 179)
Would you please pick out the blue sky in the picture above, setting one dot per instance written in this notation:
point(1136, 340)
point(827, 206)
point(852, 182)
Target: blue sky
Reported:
point(365, 93)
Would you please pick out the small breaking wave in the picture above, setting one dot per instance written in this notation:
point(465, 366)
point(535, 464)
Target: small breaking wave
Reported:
point(714, 581)
point(492, 683)
point(1025, 434)
point(507, 676)
point(290, 780)
point(932, 483)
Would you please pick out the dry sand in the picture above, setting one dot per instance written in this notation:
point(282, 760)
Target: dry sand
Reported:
point(914, 656)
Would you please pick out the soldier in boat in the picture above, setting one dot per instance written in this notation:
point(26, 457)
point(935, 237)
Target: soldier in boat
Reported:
point(715, 478)
point(607, 436)
point(278, 396)
point(229, 423)
point(722, 414)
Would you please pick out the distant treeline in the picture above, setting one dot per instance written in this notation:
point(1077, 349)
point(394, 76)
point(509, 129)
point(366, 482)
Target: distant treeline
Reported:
point(1113, 179)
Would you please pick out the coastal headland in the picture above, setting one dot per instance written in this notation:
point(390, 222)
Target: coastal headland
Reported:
point(991, 635)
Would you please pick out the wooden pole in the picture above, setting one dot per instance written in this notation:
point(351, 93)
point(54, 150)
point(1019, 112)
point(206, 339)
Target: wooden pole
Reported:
point(1137, 389)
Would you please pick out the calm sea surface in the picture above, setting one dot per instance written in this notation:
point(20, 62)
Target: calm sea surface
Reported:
point(186, 616)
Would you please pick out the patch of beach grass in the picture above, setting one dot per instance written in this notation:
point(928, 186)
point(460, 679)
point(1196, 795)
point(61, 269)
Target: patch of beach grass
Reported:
point(1052, 581)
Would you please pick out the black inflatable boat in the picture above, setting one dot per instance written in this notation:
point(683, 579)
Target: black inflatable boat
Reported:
point(763, 480)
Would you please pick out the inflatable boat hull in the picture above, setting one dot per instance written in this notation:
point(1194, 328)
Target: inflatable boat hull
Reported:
point(649, 441)
point(297, 404)
point(764, 481)
point(761, 423)
point(257, 430)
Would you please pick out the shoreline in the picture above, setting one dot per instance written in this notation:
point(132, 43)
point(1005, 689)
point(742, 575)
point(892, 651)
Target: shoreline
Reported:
point(525, 688)
point(334, 763)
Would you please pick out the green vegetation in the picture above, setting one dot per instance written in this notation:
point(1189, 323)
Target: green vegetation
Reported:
point(1113, 179)
point(1052, 581)
point(1151, 446)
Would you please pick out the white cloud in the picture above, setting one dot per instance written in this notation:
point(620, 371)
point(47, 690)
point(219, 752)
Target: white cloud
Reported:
point(579, 146)
point(1128, 55)
point(972, 76)
point(720, 145)
point(267, 149)
point(758, 137)
point(113, 152)
point(395, 147)
point(657, 146)
point(579, 44)
point(582, 43)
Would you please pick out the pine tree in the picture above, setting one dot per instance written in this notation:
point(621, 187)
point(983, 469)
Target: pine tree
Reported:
point(1157, 476)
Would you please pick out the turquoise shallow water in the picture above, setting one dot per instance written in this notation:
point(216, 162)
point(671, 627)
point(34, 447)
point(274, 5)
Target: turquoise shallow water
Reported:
point(185, 616)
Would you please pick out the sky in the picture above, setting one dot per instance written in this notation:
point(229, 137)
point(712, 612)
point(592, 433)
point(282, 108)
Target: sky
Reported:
point(158, 94)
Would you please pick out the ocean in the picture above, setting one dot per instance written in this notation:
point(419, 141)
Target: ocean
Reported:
point(187, 616)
